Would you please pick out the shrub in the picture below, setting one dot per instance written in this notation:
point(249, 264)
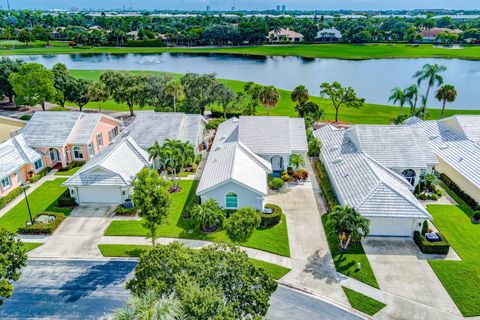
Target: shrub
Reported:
point(39, 175)
point(10, 196)
point(43, 228)
point(145, 43)
point(66, 201)
point(325, 185)
point(241, 224)
point(26, 117)
point(214, 123)
point(459, 192)
point(284, 176)
point(198, 159)
point(122, 211)
point(194, 200)
point(276, 184)
point(72, 165)
point(427, 247)
point(271, 219)
point(58, 108)
point(424, 227)
point(476, 216)
point(217, 112)
point(303, 174)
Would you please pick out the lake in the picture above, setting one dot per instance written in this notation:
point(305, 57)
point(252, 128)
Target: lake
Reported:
point(372, 79)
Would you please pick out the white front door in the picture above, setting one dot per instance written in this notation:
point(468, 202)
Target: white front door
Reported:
point(53, 155)
point(277, 163)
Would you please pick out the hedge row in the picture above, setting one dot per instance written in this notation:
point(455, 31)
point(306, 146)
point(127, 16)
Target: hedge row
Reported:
point(459, 192)
point(145, 43)
point(122, 211)
point(43, 228)
point(217, 112)
point(66, 201)
point(72, 165)
point(39, 175)
point(272, 219)
point(427, 247)
point(324, 183)
point(10, 196)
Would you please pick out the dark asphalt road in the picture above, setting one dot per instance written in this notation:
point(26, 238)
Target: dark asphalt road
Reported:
point(93, 289)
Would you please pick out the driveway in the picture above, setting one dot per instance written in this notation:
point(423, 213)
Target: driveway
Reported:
point(78, 235)
point(402, 271)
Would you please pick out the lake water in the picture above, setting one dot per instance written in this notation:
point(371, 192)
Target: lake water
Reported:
point(372, 79)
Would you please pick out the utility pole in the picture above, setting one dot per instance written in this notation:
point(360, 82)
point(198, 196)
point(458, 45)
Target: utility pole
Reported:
point(24, 187)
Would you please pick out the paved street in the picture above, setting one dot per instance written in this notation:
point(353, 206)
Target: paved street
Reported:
point(78, 289)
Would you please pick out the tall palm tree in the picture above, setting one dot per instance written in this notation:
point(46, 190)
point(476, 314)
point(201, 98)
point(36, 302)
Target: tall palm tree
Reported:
point(398, 95)
point(207, 215)
point(188, 154)
point(446, 93)
point(171, 156)
point(175, 89)
point(150, 306)
point(300, 96)
point(155, 153)
point(269, 97)
point(430, 73)
point(411, 93)
point(348, 224)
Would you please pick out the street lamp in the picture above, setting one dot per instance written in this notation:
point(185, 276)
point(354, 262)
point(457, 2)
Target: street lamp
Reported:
point(26, 200)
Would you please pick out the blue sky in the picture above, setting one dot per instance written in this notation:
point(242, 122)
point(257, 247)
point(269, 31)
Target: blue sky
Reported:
point(247, 4)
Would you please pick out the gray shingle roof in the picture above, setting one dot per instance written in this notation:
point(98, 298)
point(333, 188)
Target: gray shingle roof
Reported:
point(394, 146)
point(116, 165)
point(149, 127)
point(14, 153)
point(452, 146)
point(363, 183)
point(50, 128)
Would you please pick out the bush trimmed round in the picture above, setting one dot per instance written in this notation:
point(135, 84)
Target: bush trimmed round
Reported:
point(271, 219)
point(476, 216)
point(276, 184)
point(241, 224)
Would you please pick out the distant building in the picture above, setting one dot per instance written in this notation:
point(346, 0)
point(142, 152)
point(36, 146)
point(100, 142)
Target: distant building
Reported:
point(430, 35)
point(328, 35)
point(278, 7)
point(284, 35)
point(284, 8)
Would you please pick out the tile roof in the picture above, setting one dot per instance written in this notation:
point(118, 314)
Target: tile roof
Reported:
point(116, 165)
point(393, 146)
point(83, 131)
point(285, 33)
point(452, 146)
point(469, 125)
point(363, 183)
point(14, 153)
point(149, 127)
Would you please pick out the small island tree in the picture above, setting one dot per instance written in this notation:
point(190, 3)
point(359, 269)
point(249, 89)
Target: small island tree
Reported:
point(349, 225)
point(207, 216)
point(341, 96)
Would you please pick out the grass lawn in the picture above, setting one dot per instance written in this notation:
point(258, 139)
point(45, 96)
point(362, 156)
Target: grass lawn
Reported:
point(29, 246)
point(339, 51)
point(362, 302)
point(346, 261)
point(41, 199)
point(274, 240)
point(460, 278)
point(370, 113)
point(68, 172)
point(126, 250)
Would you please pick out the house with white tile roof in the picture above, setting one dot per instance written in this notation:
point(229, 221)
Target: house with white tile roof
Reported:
point(244, 152)
point(107, 178)
point(284, 35)
point(456, 143)
point(366, 166)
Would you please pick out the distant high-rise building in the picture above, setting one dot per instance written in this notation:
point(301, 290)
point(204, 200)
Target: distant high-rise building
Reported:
point(284, 8)
point(278, 7)
point(208, 8)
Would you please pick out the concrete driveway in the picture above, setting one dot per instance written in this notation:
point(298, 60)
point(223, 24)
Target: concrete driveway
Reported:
point(78, 235)
point(401, 270)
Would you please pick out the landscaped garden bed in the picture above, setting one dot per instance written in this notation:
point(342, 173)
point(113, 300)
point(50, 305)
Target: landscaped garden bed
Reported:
point(70, 168)
point(427, 190)
point(440, 246)
point(121, 210)
point(43, 223)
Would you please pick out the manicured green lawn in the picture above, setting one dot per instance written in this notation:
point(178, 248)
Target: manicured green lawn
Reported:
point(362, 302)
point(346, 261)
point(460, 278)
point(126, 250)
point(370, 113)
point(29, 246)
point(68, 172)
point(273, 240)
point(42, 199)
point(339, 51)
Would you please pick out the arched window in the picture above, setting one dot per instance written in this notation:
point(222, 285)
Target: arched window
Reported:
point(231, 201)
point(410, 175)
point(77, 152)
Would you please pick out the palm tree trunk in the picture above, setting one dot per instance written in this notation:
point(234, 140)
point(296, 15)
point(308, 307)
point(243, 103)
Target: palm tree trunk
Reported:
point(443, 108)
point(174, 104)
point(426, 98)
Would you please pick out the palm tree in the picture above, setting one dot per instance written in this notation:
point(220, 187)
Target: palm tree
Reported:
point(269, 97)
point(398, 95)
point(188, 153)
point(149, 306)
point(297, 161)
point(175, 89)
point(446, 93)
point(348, 224)
point(207, 215)
point(171, 156)
point(300, 96)
point(411, 93)
point(155, 153)
point(430, 73)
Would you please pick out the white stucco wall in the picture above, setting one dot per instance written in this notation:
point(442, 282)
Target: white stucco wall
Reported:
point(464, 184)
point(246, 197)
point(104, 194)
point(394, 227)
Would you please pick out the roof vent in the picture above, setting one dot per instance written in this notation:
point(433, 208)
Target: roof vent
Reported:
point(461, 159)
point(433, 137)
point(337, 160)
point(218, 148)
point(334, 148)
point(443, 147)
point(346, 174)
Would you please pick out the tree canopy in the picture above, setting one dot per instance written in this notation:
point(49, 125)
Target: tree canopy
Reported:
point(341, 96)
point(13, 258)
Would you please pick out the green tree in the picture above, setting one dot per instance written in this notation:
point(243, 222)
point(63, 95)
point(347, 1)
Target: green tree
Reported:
point(41, 33)
point(226, 98)
point(207, 215)
point(175, 89)
point(150, 306)
point(341, 96)
point(431, 74)
point(7, 67)
point(79, 94)
point(310, 110)
point(152, 199)
point(25, 36)
point(300, 96)
point(200, 91)
point(242, 223)
point(398, 95)
point(13, 258)
point(174, 154)
point(411, 93)
point(63, 82)
point(251, 91)
point(269, 97)
point(98, 92)
point(33, 84)
point(297, 161)
point(314, 147)
point(348, 224)
point(126, 87)
point(223, 270)
point(446, 93)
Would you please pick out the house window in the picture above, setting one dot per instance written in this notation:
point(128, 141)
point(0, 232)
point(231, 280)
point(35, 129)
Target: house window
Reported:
point(100, 139)
point(6, 183)
point(38, 164)
point(112, 133)
point(231, 201)
point(77, 152)
point(409, 174)
point(91, 150)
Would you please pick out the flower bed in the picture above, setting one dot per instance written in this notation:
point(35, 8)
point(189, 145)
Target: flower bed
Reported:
point(43, 227)
point(427, 247)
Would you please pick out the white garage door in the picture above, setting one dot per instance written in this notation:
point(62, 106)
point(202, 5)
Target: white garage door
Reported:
point(99, 195)
point(393, 227)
